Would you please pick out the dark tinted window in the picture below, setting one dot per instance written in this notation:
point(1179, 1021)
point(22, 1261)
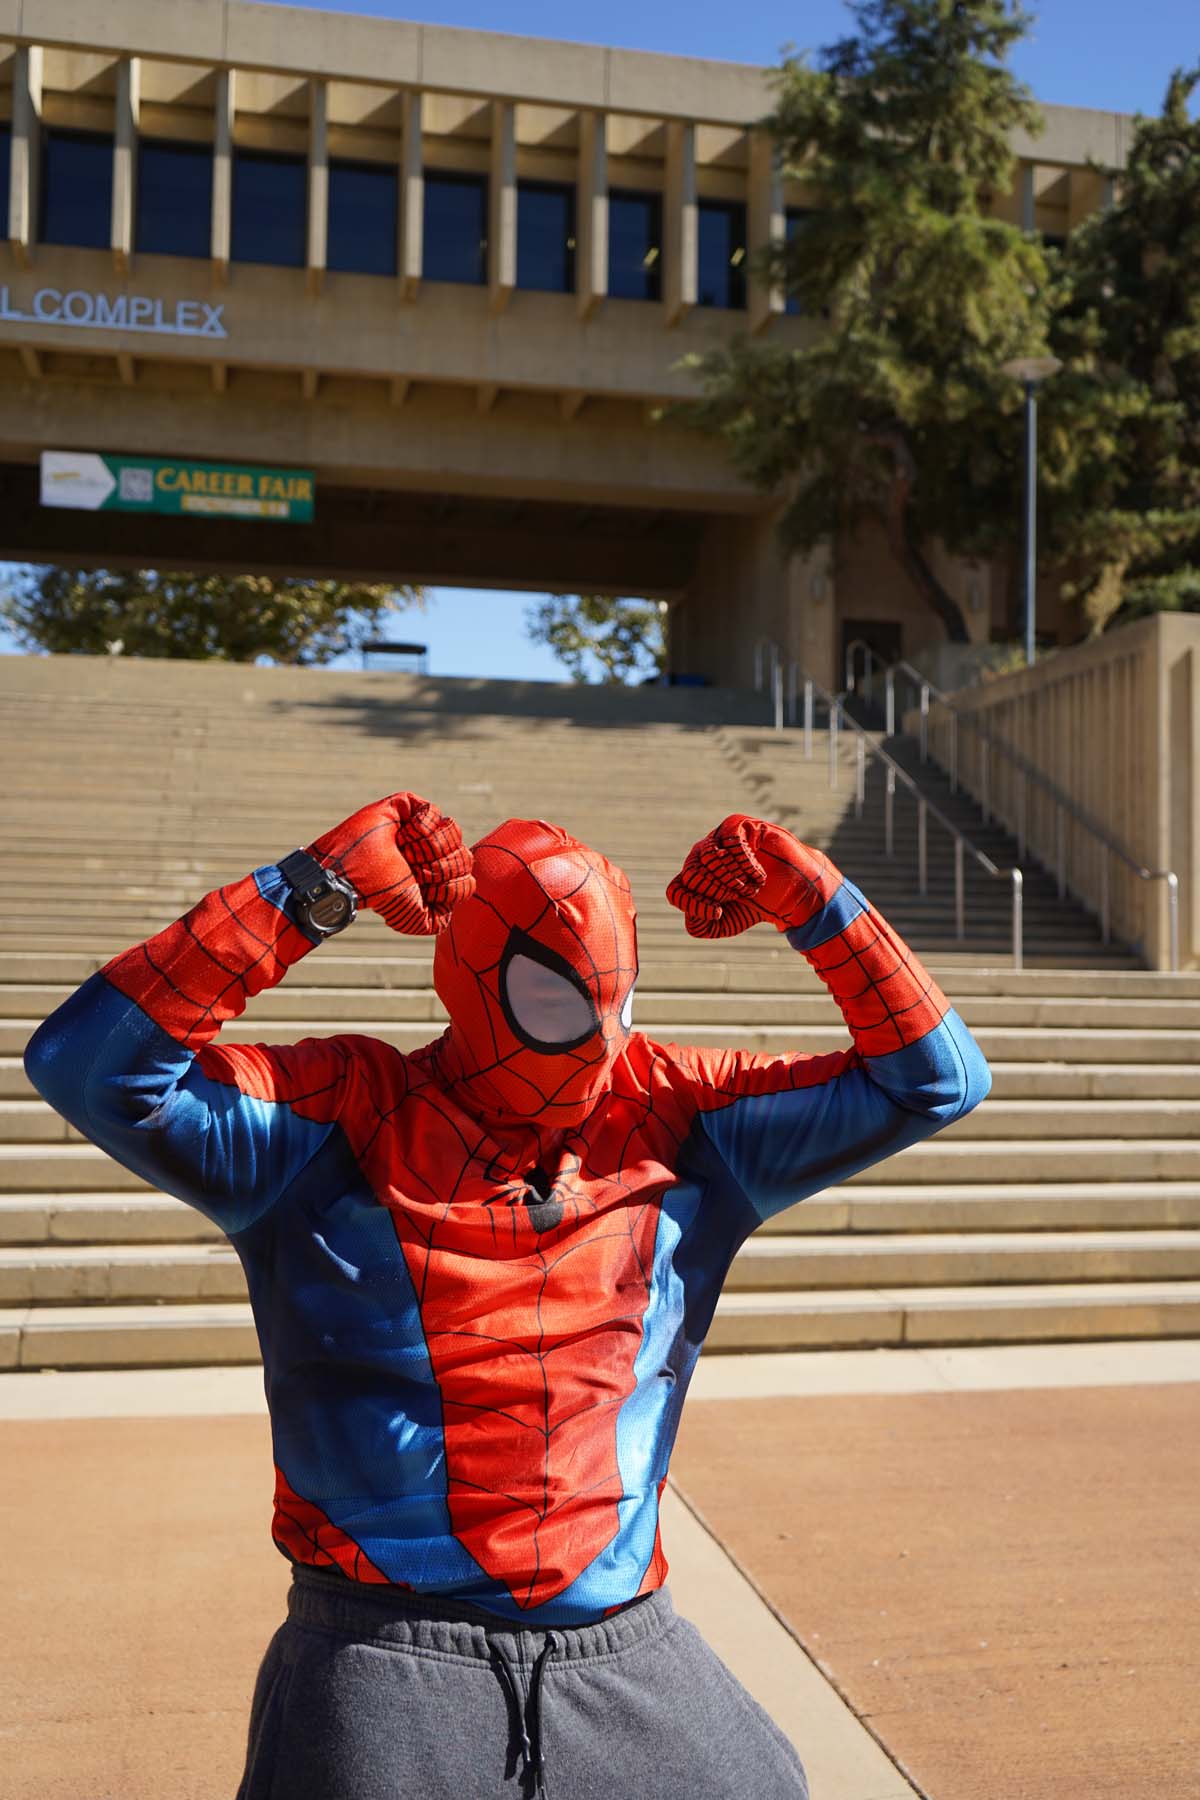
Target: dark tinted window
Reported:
point(363, 198)
point(634, 245)
point(797, 218)
point(77, 188)
point(270, 208)
point(722, 234)
point(5, 165)
point(455, 228)
point(546, 236)
point(174, 198)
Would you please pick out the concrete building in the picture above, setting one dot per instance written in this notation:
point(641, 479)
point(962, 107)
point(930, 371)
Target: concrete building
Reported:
point(450, 273)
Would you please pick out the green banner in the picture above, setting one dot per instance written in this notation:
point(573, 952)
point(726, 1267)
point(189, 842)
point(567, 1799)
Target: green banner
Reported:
point(92, 482)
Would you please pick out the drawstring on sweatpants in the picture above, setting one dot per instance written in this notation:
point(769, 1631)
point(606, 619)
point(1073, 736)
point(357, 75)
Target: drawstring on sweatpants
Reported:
point(528, 1716)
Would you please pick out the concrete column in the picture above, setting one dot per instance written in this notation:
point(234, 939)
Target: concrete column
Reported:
point(318, 182)
point(591, 208)
point(412, 200)
point(680, 225)
point(124, 188)
point(502, 205)
point(1027, 197)
point(222, 197)
point(767, 224)
point(26, 159)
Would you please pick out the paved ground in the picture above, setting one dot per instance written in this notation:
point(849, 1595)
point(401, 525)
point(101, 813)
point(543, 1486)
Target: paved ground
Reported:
point(1004, 1585)
point(935, 1558)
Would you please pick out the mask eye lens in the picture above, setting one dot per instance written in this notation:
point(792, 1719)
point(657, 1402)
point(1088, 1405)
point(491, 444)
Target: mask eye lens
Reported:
point(546, 1007)
point(627, 1011)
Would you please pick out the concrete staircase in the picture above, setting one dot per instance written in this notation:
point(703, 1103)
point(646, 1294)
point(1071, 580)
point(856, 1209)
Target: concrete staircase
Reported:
point(1067, 1207)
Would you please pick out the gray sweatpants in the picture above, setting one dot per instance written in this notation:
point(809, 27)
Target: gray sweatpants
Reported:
point(367, 1694)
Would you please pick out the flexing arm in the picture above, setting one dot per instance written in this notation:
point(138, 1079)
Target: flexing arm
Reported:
point(785, 1127)
point(130, 1058)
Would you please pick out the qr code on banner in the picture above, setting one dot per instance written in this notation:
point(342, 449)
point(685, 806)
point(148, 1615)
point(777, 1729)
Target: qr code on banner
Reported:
point(137, 485)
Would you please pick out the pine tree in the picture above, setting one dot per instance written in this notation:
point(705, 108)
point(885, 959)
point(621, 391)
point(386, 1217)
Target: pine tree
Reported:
point(1122, 509)
point(895, 407)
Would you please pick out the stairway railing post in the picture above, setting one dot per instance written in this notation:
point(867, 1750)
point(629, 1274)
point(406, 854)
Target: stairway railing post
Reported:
point(834, 713)
point(924, 721)
point(777, 693)
point(860, 776)
point(922, 849)
point(889, 812)
point(808, 718)
point(960, 897)
point(889, 702)
point(1018, 922)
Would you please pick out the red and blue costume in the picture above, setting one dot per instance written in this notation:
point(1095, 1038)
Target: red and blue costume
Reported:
point(482, 1273)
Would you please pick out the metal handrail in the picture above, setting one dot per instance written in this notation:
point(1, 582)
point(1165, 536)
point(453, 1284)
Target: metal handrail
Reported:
point(1029, 772)
point(799, 680)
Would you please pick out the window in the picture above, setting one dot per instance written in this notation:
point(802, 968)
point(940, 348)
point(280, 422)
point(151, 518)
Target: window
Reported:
point(77, 188)
point(5, 167)
point(546, 237)
point(456, 228)
point(722, 234)
point(363, 202)
point(634, 245)
point(796, 223)
point(174, 198)
point(270, 208)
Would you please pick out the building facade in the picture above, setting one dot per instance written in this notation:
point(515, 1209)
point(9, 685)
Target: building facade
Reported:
point(450, 273)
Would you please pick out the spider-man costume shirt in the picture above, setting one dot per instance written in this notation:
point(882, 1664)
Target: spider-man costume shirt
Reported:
point(481, 1274)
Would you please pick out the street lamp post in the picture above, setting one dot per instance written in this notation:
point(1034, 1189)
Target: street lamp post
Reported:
point(1030, 371)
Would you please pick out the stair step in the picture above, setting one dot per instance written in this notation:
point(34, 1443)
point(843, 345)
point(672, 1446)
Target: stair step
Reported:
point(1025, 1121)
point(223, 1332)
point(135, 1274)
point(115, 1216)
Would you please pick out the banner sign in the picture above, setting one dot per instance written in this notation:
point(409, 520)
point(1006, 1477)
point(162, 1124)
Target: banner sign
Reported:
point(91, 482)
point(116, 312)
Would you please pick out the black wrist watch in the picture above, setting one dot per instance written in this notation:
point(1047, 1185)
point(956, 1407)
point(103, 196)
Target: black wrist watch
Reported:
point(323, 902)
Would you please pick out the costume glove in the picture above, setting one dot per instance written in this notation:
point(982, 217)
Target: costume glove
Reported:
point(404, 859)
point(749, 872)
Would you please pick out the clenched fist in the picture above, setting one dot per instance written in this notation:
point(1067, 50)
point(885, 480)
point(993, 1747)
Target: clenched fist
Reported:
point(404, 859)
point(748, 872)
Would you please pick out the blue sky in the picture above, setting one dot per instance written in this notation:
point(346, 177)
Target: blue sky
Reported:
point(1100, 53)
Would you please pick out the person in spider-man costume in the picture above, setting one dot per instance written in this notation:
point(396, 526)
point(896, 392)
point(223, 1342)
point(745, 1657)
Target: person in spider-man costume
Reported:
point(482, 1273)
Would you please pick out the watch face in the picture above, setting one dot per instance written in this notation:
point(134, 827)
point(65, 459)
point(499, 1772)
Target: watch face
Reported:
point(330, 911)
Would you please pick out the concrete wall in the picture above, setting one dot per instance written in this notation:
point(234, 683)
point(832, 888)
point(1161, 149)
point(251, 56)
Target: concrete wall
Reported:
point(1115, 725)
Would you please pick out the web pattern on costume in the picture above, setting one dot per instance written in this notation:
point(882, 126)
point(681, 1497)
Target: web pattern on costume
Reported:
point(528, 1256)
point(500, 1055)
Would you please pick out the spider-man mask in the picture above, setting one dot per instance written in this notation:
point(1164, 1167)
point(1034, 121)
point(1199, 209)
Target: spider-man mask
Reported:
point(536, 970)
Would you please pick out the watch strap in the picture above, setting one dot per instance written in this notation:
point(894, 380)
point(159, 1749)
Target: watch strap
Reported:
point(303, 872)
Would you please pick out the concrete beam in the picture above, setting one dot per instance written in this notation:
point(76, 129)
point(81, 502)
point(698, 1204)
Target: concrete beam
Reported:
point(680, 223)
point(1027, 189)
point(767, 224)
point(591, 259)
point(411, 258)
point(502, 205)
point(125, 140)
point(318, 183)
point(26, 152)
point(225, 106)
point(510, 454)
